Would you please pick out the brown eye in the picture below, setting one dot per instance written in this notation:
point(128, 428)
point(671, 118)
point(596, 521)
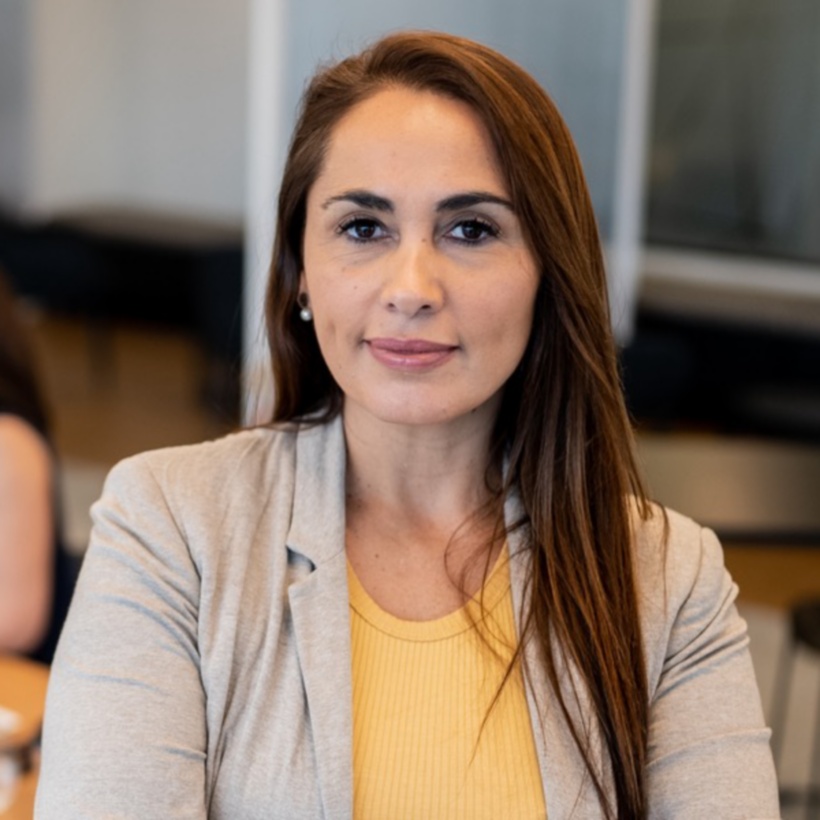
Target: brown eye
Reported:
point(472, 231)
point(362, 229)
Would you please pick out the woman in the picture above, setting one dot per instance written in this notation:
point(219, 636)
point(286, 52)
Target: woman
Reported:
point(35, 586)
point(433, 587)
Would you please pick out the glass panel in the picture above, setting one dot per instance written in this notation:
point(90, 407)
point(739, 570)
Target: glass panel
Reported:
point(575, 50)
point(735, 152)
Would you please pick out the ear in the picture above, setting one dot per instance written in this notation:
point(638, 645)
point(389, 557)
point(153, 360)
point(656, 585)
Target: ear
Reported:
point(302, 283)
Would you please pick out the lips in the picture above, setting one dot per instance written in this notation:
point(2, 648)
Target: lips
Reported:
point(410, 354)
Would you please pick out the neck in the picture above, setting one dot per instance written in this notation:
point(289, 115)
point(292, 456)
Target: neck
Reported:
point(417, 511)
point(435, 472)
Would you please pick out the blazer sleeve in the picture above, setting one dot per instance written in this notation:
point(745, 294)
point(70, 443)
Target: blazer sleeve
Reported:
point(709, 752)
point(125, 731)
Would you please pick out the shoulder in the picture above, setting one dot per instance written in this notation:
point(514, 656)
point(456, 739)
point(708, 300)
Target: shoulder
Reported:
point(683, 585)
point(16, 432)
point(672, 548)
point(195, 503)
point(25, 457)
point(679, 565)
point(248, 469)
point(193, 487)
point(251, 457)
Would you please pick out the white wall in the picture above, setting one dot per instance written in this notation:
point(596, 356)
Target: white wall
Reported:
point(135, 102)
point(73, 67)
point(183, 108)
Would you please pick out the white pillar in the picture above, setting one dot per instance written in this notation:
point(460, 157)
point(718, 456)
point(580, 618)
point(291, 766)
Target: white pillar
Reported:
point(625, 251)
point(267, 143)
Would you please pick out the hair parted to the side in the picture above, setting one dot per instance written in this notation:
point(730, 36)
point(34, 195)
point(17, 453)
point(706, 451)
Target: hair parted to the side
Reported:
point(568, 441)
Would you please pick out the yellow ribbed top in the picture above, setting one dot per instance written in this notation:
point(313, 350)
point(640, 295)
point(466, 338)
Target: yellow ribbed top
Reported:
point(421, 690)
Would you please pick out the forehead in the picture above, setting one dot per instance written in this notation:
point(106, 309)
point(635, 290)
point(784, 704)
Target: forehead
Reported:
point(411, 136)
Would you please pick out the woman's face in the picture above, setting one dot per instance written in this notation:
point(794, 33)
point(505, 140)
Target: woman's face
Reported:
point(421, 284)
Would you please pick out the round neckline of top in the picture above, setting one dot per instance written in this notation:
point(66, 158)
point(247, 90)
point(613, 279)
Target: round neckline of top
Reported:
point(479, 607)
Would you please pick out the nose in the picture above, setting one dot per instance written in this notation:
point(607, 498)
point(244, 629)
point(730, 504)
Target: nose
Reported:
point(413, 280)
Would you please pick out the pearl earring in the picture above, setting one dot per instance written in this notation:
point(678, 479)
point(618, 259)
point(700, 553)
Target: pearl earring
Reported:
point(305, 314)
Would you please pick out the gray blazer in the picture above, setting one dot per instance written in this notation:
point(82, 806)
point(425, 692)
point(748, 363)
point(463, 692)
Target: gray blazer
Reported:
point(204, 670)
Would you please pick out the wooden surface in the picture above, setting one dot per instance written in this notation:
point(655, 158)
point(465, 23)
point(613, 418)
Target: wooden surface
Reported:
point(23, 806)
point(776, 575)
point(149, 398)
point(22, 689)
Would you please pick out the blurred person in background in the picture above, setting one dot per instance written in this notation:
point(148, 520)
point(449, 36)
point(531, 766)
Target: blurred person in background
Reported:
point(35, 572)
point(433, 587)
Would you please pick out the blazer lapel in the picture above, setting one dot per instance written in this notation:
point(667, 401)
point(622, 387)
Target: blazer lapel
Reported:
point(320, 611)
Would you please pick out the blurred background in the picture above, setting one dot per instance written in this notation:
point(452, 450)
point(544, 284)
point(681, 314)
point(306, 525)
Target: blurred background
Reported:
point(140, 147)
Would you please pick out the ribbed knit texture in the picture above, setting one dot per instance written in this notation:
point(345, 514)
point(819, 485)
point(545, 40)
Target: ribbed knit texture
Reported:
point(421, 690)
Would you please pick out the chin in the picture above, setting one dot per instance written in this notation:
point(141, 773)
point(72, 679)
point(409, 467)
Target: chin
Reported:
point(412, 416)
point(419, 411)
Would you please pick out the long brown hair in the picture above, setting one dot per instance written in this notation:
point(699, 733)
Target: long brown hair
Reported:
point(568, 443)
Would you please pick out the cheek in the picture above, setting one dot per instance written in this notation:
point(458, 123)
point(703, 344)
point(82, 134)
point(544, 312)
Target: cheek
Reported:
point(512, 335)
point(334, 306)
point(505, 320)
point(337, 316)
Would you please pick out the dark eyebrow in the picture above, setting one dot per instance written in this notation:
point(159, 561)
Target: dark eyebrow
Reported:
point(468, 200)
point(364, 199)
